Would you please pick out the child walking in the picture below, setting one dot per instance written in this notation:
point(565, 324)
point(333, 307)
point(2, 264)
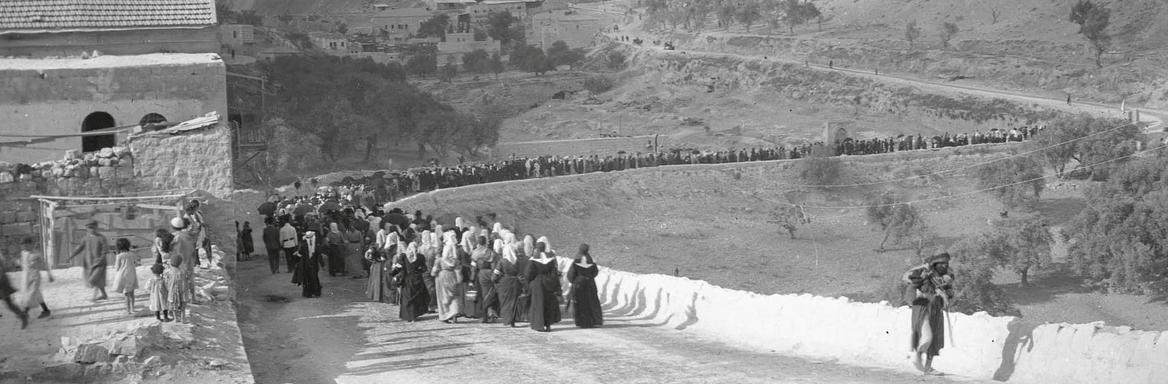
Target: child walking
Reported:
point(176, 286)
point(6, 291)
point(158, 293)
point(126, 277)
point(32, 263)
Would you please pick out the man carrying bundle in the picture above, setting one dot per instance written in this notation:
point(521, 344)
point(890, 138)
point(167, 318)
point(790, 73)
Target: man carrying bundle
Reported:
point(932, 284)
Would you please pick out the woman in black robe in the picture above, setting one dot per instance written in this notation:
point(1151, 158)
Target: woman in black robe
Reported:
point(415, 300)
point(584, 297)
point(247, 246)
point(508, 282)
point(544, 287)
point(308, 267)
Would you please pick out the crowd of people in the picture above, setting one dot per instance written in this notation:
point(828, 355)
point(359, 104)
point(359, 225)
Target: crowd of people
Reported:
point(390, 186)
point(459, 270)
point(900, 143)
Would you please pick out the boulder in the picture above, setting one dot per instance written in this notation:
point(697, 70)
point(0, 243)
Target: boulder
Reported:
point(105, 153)
point(72, 154)
point(90, 353)
point(128, 345)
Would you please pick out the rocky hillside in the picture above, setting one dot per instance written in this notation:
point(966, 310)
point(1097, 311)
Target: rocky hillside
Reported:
point(1030, 45)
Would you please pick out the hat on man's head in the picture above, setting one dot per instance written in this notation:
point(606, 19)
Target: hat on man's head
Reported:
point(939, 258)
point(92, 223)
point(177, 223)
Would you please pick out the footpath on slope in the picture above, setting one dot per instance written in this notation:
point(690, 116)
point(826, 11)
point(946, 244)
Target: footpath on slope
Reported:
point(137, 348)
point(1153, 116)
point(344, 337)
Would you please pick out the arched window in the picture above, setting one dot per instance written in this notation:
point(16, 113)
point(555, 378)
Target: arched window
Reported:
point(93, 122)
point(147, 122)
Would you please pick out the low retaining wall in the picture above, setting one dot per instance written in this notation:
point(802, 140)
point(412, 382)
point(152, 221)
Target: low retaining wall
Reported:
point(877, 335)
point(865, 334)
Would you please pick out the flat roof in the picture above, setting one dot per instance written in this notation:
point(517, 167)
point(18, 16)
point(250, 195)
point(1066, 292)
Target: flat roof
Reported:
point(109, 61)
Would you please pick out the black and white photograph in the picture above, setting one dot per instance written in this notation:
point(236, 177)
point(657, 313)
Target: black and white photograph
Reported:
point(583, 191)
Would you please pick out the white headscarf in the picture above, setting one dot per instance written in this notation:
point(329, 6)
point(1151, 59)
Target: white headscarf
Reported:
point(458, 222)
point(497, 246)
point(411, 252)
point(449, 247)
point(498, 227)
point(547, 244)
point(427, 242)
point(529, 247)
point(468, 241)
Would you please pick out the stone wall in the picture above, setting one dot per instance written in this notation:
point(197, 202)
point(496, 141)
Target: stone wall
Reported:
point(192, 157)
point(198, 159)
point(54, 96)
point(100, 173)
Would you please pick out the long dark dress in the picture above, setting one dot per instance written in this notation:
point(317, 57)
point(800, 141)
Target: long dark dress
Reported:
point(307, 272)
point(543, 285)
point(509, 288)
point(487, 304)
point(467, 307)
point(336, 253)
point(374, 286)
point(248, 244)
point(524, 302)
point(415, 300)
point(585, 299)
point(929, 305)
point(92, 250)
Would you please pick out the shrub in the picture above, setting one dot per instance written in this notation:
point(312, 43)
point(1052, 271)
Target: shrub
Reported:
point(598, 84)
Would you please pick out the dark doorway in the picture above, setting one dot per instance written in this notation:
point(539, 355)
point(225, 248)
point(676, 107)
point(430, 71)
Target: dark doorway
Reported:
point(152, 122)
point(95, 121)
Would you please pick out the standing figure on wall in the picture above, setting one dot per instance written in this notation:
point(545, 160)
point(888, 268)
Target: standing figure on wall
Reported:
point(932, 284)
point(94, 247)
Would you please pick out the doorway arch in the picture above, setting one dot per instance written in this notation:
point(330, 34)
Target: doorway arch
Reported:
point(96, 121)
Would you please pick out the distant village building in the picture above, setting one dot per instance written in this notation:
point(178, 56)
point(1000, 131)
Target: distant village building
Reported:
point(480, 12)
point(458, 45)
point(277, 52)
point(399, 24)
point(102, 68)
point(237, 39)
point(330, 42)
point(577, 30)
point(449, 5)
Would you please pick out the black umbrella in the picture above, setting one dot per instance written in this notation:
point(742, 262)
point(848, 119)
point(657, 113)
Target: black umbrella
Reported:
point(397, 219)
point(267, 208)
point(329, 206)
point(301, 210)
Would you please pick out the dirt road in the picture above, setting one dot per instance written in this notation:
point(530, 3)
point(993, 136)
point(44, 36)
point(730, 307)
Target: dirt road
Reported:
point(1155, 117)
point(343, 338)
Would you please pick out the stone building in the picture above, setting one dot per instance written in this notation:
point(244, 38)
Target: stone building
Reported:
point(460, 44)
point(400, 24)
point(479, 12)
point(575, 29)
point(330, 42)
point(85, 75)
point(237, 39)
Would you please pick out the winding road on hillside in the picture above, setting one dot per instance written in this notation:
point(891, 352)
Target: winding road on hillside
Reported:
point(1154, 117)
point(342, 337)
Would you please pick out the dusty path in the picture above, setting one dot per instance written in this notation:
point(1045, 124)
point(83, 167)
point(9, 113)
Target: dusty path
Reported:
point(343, 338)
point(1154, 116)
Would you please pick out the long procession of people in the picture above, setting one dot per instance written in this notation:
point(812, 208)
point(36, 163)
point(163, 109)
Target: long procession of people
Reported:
point(390, 186)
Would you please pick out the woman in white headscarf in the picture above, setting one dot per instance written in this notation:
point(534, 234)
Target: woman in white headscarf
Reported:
point(529, 247)
point(544, 288)
point(336, 250)
point(563, 264)
point(429, 249)
point(415, 300)
point(448, 273)
point(583, 295)
point(507, 281)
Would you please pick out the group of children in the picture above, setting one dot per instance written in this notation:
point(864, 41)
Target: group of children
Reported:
point(167, 288)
